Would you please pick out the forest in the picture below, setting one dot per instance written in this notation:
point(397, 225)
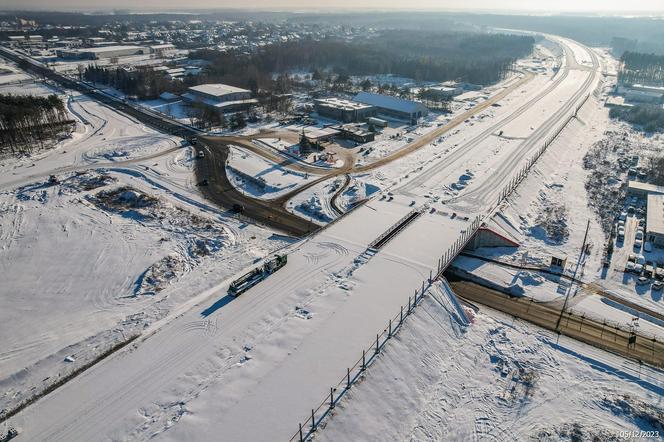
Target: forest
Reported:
point(641, 68)
point(648, 117)
point(140, 83)
point(428, 56)
point(29, 122)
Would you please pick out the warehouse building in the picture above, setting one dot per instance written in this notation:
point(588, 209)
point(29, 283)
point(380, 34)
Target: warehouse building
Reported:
point(655, 220)
point(393, 107)
point(642, 190)
point(221, 96)
point(343, 110)
point(101, 52)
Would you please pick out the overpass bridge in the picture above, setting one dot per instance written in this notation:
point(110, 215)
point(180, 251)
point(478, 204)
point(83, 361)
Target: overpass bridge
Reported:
point(277, 349)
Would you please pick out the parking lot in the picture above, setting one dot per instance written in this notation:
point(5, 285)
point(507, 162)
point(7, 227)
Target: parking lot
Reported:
point(641, 263)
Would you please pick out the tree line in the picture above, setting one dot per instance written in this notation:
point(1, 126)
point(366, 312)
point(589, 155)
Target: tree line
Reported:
point(28, 121)
point(648, 117)
point(636, 67)
point(426, 56)
point(142, 83)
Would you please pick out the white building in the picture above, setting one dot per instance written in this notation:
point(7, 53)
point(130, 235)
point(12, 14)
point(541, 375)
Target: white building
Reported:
point(221, 96)
point(655, 220)
point(101, 52)
point(394, 107)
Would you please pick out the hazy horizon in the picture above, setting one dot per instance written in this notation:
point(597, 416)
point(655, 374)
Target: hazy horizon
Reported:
point(636, 7)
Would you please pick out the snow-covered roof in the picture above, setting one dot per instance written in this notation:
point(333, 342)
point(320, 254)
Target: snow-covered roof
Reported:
point(392, 103)
point(655, 221)
point(216, 89)
point(639, 187)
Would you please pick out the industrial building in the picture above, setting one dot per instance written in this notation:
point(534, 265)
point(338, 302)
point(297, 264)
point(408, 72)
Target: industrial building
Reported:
point(638, 93)
point(393, 107)
point(655, 220)
point(356, 133)
point(221, 96)
point(101, 52)
point(343, 110)
point(642, 190)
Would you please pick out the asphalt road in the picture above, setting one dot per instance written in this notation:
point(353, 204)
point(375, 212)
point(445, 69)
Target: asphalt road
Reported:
point(220, 191)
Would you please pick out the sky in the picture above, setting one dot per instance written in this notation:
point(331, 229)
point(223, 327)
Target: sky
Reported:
point(593, 6)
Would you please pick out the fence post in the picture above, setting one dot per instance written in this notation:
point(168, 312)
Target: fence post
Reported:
point(331, 398)
point(401, 316)
point(409, 305)
point(301, 438)
point(364, 361)
point(313, 421)
point(348, 379)
point(376, 343)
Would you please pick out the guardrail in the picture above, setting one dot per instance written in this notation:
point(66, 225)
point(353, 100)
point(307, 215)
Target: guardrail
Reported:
point(394, 229)
point(521, 174)
point(371, 352)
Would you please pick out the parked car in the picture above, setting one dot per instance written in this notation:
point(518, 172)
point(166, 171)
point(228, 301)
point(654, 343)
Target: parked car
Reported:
point(623, 216)
point(649, 271)
point(632, 257)
point(642, 280)
point(629, 267)
point(639, 235)
point(640, 259)
point(657, 285)
point(659, 273)
point(638, 268)
point(647, 246)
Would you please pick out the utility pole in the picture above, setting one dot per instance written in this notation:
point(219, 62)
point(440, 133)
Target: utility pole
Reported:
point(576, 269)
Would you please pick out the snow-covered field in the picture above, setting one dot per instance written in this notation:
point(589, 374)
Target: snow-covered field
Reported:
point(260, 178)
point(209, 366)
point(499, 379)
point(122, 241)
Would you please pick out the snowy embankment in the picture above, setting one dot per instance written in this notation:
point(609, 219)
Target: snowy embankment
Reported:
point(260, 178)
point(498, 379)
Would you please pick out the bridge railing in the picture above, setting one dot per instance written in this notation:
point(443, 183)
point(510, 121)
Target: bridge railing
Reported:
point(371, 351)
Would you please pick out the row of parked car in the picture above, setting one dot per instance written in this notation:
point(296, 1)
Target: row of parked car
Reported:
point(640, 231)
point(647, 270)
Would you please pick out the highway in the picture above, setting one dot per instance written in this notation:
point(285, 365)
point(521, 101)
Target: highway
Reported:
point(274, 352)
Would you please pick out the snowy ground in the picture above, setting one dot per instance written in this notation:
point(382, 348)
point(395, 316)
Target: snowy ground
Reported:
point(498, 379)
point(274, 351)
point(315, 202)
point(549, 211)
point(260, 178)
point(132, 256)
point(544, 287)
point(124, 240)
